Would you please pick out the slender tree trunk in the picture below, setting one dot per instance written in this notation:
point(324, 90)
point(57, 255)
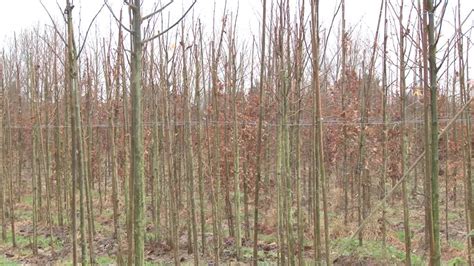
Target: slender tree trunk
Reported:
point(215, 54)
point(315, 42)
point(299, 98)
point(468, 139)
point(427, 129)
point(364, 113)
point(383, 181)
point(3, 167)
point(77, 151)
point(137, 135)
point(345, 176)
point(57, 143)
point(46, 156)
point(34, 161)
point(404, 136)
point(155, 152)
point(199, 60)
point(189, 156)
point(11, 199)
point(259, 135)
point(433, 69)
point(236, 150)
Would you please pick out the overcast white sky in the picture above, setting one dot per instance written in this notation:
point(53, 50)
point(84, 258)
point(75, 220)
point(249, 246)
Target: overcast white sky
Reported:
point(23, 14)
point(20, 14)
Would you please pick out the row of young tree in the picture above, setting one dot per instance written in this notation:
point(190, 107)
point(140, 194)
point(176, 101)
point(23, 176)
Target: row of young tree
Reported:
point(182, 129)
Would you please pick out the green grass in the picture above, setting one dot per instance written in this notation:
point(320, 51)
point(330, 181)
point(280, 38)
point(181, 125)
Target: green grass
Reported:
point(457, 262)
point(374, 250)
point(401, 236)
point(64, 263)
point(21, 241)
point(247, 253)
point(27, 200)
point(23, 245)
point(104, 260)
point(6, 262)
point(268, 238)
point(262, 263)
point(453, 216)
point(150, 236)
point(101, 260)
point(414, 225)
point(458, 245)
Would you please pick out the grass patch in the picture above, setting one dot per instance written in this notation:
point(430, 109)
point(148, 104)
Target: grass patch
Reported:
point(457, 262)
point(150, 236)
point(401, 236)
point(28, 200)
point(268, 238)
point(101, 260)
point(415, 225)
point(23, 243)
point(104, 260)
point(5, 261)
point(453, 216)
point(247, 253)
point(374, 250)
point(458, 245)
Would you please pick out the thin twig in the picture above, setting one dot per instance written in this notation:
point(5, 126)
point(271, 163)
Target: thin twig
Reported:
point(88, 29)
point(116, 19)
point(54, 23)
point(172, 26)
point(157, 11)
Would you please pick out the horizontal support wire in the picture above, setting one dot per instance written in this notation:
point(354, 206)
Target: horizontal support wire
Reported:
point(328, 122)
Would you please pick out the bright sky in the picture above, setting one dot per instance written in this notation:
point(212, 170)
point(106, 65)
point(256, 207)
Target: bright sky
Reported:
point(20, 14)
point(362, 14)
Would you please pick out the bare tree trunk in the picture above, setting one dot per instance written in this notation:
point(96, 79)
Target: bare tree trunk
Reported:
point(46, 156)
point(433, 69)
point(137, 135)
point(383, 181)
point(77, 151)
point(259, 135)
point(427, 129)
point(404, 135)
point(57, 144)
point(34, 162)
point(468, 139)
point(188, 143)
point(199, 60)
point(235, 136)
point(345, 176)
point(315, 42)
point(215, 56)
point(3, 166)
point(299, 69)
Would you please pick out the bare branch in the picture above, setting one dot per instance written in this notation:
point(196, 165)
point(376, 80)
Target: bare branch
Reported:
point(130, 5)
point(446, 53)
point(88, 29)
point(54, 23)
point(116, 19)
point(157, 11)
point(52, 49)
point(440, 26)
point(60, 11)
point(172, 26)
point(330, 29)
point(467, 16)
